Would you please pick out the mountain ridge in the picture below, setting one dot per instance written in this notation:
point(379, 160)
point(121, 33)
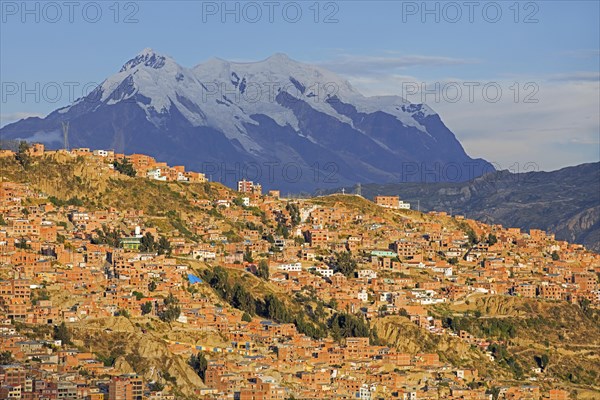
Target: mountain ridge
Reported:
point(565, 202)
point(276, 111)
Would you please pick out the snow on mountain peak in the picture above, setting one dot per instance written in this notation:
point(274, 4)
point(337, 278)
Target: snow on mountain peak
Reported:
point(146, 51)
point(279, 58)
point(148, 58)
point(226, 94)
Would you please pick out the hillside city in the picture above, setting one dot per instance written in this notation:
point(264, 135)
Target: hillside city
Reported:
point(124, 278)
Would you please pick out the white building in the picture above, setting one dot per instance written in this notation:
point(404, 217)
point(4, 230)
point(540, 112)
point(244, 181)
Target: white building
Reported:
point(447, 271)
point(403, 206)
point(325, 272)
point(156, 174)
point(364, 393)
point(100, 153)
point(204, 255)
point(363, 295)
point(223, 203)
point(454, 252)
point(366, 274)
point(292, 267)
point(181, 177)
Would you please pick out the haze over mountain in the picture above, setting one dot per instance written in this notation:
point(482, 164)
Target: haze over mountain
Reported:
point(286, 124)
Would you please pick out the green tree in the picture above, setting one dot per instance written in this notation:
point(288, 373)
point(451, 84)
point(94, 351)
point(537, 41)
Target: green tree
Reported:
point(585, 307)
point(242, 300)
point(248, 255)
point(275, 309)
point(294, 212)
point(170, 300)
point(473, 239)
point(333, 304)
point(320, 311)
point(138, 295)
point(345, 264)
point(22, 154)
point(152, 286)
point(472, 236)
point(61, 332)
point(282, 230)
point(238, 201)
point(263, 270)
point(124, 167)
point(542, 361)
point(6, 358)
point(123, 313)
point(156, 387)
point(74, 201)
point(38, 295)
point(555, 256)
point(147, 243)
point(495, 392)
point(199, 363)
point(218, 279)
point(246, 317)
point(163, 246)
point(106, 236)
point(22, 244)
point(345, 325)
point(146, 308)
point(492, 239)
point(171, 310)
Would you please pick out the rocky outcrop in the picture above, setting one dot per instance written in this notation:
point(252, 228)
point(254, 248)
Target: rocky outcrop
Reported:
point(143, 351)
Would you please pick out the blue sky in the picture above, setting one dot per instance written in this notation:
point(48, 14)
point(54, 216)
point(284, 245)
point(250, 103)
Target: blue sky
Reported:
point(548, 49)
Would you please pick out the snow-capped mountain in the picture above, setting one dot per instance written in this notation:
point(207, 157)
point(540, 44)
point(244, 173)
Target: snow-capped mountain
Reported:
point(288, 124)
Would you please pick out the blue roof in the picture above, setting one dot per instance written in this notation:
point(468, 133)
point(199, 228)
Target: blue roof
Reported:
point(194, 279)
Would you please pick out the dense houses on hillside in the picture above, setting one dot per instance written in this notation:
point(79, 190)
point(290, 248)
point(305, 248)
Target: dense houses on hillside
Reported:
point(107, 263)
point(143, 165)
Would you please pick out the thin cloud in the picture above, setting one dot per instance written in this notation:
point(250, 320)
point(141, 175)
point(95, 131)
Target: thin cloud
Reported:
point(586, 141)
point(353, 64)
point(581, 53)
point(578, 76)
point(45, 137)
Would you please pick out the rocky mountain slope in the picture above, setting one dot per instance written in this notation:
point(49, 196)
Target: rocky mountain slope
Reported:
point(290, 125)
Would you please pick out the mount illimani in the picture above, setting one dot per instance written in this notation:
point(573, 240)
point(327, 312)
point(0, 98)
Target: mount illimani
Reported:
point(286, 124)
